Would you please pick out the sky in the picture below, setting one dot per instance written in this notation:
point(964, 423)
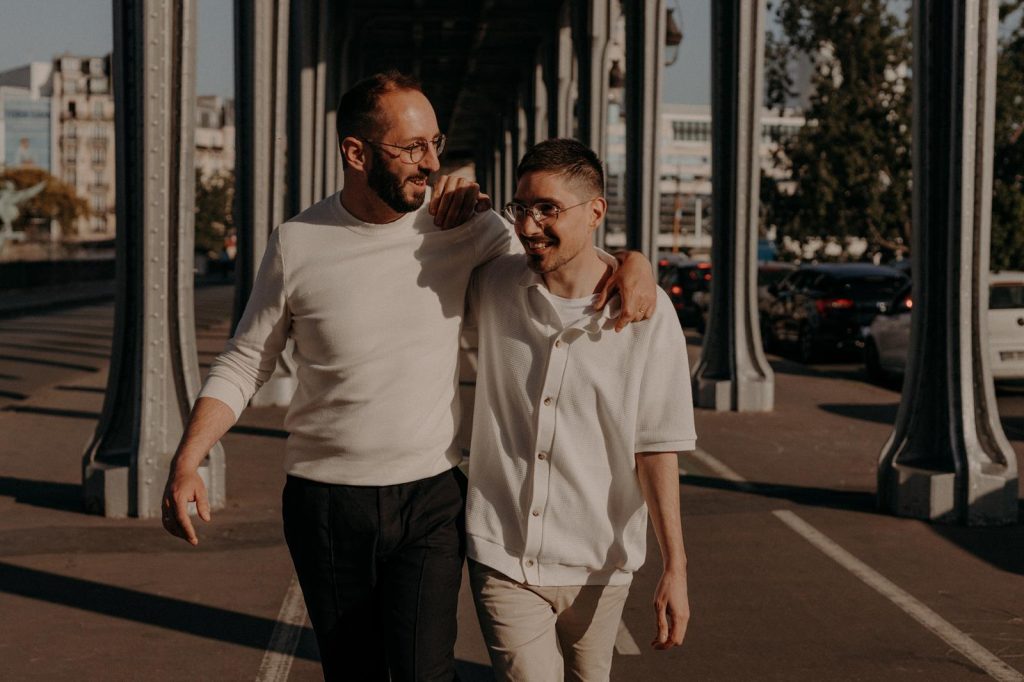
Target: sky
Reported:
point(37, 30)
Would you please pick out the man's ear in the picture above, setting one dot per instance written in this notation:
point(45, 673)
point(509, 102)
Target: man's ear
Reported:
point(598, 209)
point(353, 150)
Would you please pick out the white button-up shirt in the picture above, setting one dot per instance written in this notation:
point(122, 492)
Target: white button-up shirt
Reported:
point(561, 410)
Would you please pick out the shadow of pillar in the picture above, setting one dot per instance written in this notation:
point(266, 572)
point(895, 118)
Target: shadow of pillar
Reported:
point(154, 371)
point(948, 459)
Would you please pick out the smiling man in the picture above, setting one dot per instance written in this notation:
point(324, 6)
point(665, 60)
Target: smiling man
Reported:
point(576, 432)
point(371, 288)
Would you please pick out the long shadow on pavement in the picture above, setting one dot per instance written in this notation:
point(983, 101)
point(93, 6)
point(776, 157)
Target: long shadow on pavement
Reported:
point(59, 496)
point(848, 500)
point(174, 614)
point(998, 546)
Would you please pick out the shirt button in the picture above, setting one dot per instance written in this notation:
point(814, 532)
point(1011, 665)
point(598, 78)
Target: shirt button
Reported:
point(547, 401)
point(542, 455)
point(529, 562)
point(536, 513)
point(558, 344)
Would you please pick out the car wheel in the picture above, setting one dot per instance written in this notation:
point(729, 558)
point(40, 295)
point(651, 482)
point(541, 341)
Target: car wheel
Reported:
point(873, 364)
point(807, 350)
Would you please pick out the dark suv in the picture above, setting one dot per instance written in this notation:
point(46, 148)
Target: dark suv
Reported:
point(827, 307)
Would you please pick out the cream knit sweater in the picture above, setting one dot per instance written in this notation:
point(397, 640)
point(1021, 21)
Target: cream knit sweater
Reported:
point(375, 312)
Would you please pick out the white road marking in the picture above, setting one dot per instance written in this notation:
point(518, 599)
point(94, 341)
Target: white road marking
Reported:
point(720, 468)
point(956, 638)
point(625, 645)
point(277, 660)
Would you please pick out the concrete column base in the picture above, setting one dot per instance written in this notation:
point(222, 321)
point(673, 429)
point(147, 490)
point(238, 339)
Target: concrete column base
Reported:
point(106, 491)
point(931, 496)
point(751, 395)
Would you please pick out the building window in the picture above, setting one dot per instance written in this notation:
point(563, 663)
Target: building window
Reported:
point(99, 224)
point(69, 64)
point(99, 203)
point(96, 67)
point(99, 152)
point(70, 150)
point(70, 176)
point(691, 131)
point(97, 109)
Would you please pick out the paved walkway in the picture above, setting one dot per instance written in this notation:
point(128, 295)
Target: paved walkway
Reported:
point(794, 576)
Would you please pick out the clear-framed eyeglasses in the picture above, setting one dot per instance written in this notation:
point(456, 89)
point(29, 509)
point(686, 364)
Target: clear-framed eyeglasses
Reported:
point(413, 153)
point(544, 214)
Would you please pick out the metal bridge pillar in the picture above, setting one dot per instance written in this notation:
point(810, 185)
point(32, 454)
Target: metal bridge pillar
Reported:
point(645, 36)
point(154, 372)
point(261, 189)
point(557, 75)
point(591, 25)
point(733, 373)
point(948, 459)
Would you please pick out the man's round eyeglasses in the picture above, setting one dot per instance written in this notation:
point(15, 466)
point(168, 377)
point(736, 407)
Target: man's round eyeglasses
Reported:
point(544, 213)
point(413, 153)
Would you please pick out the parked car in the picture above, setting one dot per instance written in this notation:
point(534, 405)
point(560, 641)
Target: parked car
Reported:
point(768, 273)
point(682, 278)
point(887, 342)
point(826, 307)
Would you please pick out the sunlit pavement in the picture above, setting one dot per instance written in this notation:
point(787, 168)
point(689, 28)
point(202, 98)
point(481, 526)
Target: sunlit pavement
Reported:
point(90, 598)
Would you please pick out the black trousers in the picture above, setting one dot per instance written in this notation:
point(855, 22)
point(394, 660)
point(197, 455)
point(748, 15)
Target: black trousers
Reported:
point(380, 569)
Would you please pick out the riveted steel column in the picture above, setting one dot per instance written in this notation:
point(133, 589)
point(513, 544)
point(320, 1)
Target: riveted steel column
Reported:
point(261, 60)
point(539, 113)
point(305, 99)
point(947, 458)
point(558, 61)
point(263, 192)
point(733, 373)
point(590, 25)
point(645, 36)
point(508, 161)
point(154, 373)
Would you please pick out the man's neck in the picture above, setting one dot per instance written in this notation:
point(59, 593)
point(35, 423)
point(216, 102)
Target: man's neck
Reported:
point(580, 277)
point(366, 206)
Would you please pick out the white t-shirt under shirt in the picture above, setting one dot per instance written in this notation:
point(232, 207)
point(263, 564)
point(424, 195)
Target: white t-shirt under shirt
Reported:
point(375, 312)
point(563, 403)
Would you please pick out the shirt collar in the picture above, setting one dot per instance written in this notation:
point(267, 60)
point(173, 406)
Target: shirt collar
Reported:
point(594, 322)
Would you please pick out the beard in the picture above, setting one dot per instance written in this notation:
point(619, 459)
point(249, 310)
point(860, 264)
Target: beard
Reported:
point(389, 186)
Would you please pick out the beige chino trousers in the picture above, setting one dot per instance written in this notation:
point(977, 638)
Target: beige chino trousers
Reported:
point(547, 634)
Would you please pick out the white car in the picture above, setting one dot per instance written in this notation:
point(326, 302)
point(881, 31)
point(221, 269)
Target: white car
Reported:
point(887, 339)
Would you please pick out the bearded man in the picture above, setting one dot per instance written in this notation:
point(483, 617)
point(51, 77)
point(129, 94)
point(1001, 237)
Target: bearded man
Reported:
point(371, 289)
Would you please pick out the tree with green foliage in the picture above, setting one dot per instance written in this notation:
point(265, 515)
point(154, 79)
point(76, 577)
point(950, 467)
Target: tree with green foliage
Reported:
point(850, 165)
point(58, 201)
point(214, 197)
point(1008, 175)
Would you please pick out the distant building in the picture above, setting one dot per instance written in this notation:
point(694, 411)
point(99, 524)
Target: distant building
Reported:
point(685, 168)
point(83, 156)
point(215, 135)
point(25, 120)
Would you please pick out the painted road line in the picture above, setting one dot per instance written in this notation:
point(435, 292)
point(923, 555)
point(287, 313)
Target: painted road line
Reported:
point(720, 468)
point(979, 655)
point(625, 645)
point(277, 660)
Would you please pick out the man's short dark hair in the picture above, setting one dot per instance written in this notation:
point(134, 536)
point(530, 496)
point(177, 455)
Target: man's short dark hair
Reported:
point(567, 157)
point(358, 110)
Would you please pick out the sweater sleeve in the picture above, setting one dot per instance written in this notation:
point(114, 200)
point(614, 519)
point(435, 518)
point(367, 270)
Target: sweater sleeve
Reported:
point(251, 354)
point(665, 416)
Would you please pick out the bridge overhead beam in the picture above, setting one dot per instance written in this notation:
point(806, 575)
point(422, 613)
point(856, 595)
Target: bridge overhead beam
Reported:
point(154, 373)
point(733, 373)
point(645, 36)
point(948, 459)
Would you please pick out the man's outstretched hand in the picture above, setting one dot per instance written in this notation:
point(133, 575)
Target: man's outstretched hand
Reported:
point(455, 200)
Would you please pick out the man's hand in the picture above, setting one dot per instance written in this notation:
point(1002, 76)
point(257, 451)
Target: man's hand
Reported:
point(635, 283)
point(182, 488)
point(671, 610)
point(455, 200)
